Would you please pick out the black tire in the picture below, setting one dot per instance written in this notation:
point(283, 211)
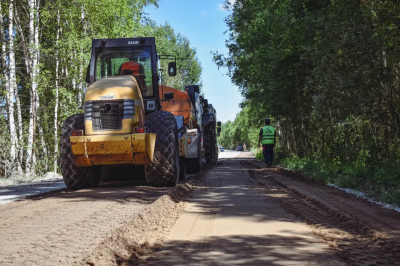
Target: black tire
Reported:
point(210, 147)
point(215, 159)
point(195, 164)
point(75, 177)
point(182, 171)
point(207, 148)
point(164, 170)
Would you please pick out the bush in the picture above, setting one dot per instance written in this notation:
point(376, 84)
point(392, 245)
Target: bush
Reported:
point(381, 183)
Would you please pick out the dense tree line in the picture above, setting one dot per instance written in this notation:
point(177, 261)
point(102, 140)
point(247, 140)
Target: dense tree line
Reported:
point(237, 132)
point(45, 49)
point(326, 71)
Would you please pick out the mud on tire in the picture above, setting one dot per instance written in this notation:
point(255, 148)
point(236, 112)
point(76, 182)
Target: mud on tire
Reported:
point(75, 177)
point(164, 170)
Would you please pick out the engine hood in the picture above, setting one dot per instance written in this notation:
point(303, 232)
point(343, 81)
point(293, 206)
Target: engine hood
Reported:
point(113, 88)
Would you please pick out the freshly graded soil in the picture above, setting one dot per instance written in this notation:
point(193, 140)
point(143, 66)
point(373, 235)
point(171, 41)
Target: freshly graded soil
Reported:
point(235, 213)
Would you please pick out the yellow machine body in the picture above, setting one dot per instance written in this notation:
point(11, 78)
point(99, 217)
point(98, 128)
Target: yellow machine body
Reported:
point(115, 147)
point(117, 88)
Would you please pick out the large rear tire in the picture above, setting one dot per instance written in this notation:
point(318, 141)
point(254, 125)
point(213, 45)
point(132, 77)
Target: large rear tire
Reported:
point(208, 148)
point(215, 158)
point(164, 169)
point(195, 164)
point(75, 177)
point(182, 165)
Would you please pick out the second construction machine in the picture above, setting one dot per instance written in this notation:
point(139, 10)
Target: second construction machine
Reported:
point(126, 120)
point(196, 127)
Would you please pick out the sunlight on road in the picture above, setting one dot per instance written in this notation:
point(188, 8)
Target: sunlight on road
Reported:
point(228, 154)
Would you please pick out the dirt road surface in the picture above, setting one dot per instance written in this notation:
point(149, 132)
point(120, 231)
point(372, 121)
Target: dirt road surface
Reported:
point(246, 214)
point(235, 213)
point(231, 220)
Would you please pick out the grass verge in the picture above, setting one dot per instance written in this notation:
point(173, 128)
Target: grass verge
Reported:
point(379, 182)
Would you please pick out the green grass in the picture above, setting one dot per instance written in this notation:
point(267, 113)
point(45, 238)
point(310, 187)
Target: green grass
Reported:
point(258, 153)
point(379, 182)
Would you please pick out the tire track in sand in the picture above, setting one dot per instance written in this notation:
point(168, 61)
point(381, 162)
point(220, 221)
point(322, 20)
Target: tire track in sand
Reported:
point(355, 242)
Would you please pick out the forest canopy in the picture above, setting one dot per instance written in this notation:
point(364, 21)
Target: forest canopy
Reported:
point(327, 73)
point(45, 50)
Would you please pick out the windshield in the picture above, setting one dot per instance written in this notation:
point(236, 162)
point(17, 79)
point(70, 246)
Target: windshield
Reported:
point(130, 60)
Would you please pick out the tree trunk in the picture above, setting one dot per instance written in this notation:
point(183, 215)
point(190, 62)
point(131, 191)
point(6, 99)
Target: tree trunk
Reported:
point(56, 140)
point(24, 43)
point(34, 44)
point(4, 52)
point(12, 86)
point(20, 129)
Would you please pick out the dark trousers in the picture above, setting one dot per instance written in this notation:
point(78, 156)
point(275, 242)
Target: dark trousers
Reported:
point(268, 151)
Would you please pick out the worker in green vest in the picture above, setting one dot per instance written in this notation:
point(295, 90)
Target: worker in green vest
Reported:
point(268, 140)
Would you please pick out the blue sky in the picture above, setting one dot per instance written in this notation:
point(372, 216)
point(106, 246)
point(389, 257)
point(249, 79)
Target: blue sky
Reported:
point(202, 22)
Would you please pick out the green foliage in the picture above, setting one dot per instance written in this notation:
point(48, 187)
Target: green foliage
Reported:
point(380, 182)
point(239, 132)
point(327, 72)
point(66, 31)
point(258, 154)
point(171, 43)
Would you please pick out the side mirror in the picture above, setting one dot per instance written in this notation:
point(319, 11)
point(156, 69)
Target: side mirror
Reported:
point(172, 69)
point(219, 123)
point(206, 103)
point(168, 96)
point(87, 79)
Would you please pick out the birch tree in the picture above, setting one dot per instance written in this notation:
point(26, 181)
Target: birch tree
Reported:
point(34, 51)
point(12, 85)
point(45, 49)
point(56, 94)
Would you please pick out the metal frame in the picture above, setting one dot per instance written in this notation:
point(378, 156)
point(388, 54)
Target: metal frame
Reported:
point(129, 42)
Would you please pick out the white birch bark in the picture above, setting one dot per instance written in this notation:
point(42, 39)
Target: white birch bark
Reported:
point(4, 53)
point(56, 141)
point(20, 129)
point(81, 76)
point(66, 78)
point(80, 86)
point(34, 45)
point(27, 56)
point(39, 123)
point(12, 86)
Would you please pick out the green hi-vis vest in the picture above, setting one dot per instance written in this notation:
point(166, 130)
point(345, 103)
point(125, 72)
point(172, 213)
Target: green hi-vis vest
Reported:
point(268, 136)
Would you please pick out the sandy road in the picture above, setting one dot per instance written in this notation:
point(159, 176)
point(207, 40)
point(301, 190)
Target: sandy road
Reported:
point(246, 214)
point(236, 213)
point(231, 220)
point(57, 228)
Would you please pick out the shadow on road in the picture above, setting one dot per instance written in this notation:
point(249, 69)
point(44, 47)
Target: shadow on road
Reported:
point(241, 250)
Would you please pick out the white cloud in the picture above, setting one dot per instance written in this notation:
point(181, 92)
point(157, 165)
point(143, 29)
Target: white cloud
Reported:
point(221, 7)
point(203, 13)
